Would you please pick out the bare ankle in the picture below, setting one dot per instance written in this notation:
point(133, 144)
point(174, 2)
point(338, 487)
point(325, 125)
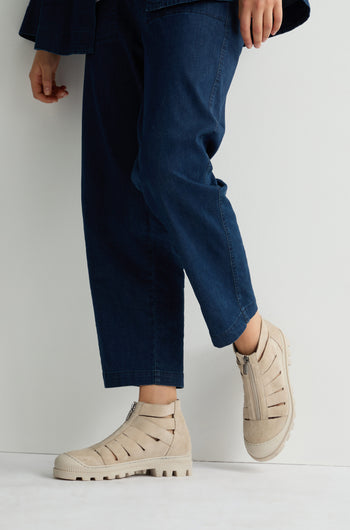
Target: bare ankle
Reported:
point(247, 342)
point(161, 394)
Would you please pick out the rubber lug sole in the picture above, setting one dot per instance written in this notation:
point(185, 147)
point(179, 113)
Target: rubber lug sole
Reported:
point(162, 467)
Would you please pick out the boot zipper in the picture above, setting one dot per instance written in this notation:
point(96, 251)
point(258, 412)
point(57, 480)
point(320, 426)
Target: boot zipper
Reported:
point(132, 408)
point(252, 385)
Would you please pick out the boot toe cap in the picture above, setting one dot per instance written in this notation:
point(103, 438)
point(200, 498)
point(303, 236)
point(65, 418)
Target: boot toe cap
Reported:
point(262, 442)
point(77, 460)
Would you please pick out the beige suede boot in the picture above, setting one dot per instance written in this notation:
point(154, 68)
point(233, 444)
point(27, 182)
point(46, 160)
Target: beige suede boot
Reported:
point(143, 444)
point(268, 411)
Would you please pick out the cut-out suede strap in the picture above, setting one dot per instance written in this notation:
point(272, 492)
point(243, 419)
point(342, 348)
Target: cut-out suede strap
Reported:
point(157, 409)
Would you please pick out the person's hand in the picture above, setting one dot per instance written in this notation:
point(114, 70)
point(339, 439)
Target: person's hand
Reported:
point(263, 17)
point(42, 77)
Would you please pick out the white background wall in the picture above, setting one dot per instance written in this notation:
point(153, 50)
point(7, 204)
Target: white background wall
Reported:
point(288, 177)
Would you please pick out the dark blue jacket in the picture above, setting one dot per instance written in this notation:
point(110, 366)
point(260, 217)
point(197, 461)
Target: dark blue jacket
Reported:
point(68, 26)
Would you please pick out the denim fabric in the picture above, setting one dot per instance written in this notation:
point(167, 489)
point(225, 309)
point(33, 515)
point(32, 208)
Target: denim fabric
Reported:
point(153, 116)
point(68, 26)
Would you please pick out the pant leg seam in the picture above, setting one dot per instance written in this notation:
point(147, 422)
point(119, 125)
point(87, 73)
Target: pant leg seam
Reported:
point(152, 296)
point(143, 377)
point(219, 69)
point(232, 263)
point(136, 371)
point(243, 312)
point(220, 338)
point(233, 268)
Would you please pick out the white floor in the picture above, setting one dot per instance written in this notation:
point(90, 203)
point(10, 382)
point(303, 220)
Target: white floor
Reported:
point(218, 495)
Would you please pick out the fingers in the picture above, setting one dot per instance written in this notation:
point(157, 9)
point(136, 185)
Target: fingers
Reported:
point(42, 78)
point(47, 79)
point(58, 92)
point(38, 91)
point(257, 24)
point(245, 21)
point(277, 18)
point(259, 19)
point(37, 88)
point(61, 91)
point(266, 24)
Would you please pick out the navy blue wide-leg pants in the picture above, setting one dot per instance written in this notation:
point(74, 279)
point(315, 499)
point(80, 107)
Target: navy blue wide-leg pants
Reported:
point(153, 117)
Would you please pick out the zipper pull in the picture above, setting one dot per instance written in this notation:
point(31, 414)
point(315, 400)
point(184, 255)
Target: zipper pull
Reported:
point(246, 360)
point(132, 408)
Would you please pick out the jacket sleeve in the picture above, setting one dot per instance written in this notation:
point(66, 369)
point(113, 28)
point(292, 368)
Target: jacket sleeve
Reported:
point(68, 26)
point(64, 27)
point(295, 13)
point(30, 22)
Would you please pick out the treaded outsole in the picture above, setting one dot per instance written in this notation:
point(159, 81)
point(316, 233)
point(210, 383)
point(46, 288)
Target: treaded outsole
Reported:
point(161, 469)
point(152, 472)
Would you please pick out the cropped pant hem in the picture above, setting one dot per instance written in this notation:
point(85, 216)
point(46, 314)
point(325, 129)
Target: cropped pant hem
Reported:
point(143, 377)
point(237, 327)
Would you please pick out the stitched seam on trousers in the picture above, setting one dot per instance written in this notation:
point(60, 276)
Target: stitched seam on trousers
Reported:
point(151, 16)
point(137, 372)
point(209, 167)
point(221, 57)
point(233, 267)
point(244, 313)
point(152, 299)
point(219, 335)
